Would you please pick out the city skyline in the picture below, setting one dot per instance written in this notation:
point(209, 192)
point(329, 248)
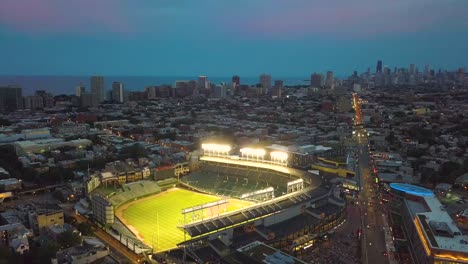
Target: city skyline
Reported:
point(220, 39)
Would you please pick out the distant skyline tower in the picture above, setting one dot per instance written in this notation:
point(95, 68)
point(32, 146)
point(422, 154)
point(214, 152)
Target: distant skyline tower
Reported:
point(379, 66)
point(235, 80)
point(411, 69)
point(97, 88)
point(117, 92)
point(80, 89)
point(277, 88)
point(202, 82)
point(316, 80)
point(265, 83)
point(329, 80)
point(11, 98)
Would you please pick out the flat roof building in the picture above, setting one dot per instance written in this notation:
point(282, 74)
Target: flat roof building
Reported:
point(433, 235)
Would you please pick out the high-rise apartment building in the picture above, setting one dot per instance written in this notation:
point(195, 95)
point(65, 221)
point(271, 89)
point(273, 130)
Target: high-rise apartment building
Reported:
point(97, 88)
point(220, 91)
point(379, 66)
point(117, 92)
point(33, 102)
point(277, 88)
point(80, 89)
point(11, 98)
point(265, 83)
point(202, 82)
point(316, 80)
point(329, 81)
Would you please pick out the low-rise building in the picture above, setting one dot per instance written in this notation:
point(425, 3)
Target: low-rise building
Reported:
point(431, 232)
point(44, 216)
point(91, 251)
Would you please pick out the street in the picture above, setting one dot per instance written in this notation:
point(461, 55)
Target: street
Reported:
point(374, 248)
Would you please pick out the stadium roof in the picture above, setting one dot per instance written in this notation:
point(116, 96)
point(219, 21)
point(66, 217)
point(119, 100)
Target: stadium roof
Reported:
point(258, 211)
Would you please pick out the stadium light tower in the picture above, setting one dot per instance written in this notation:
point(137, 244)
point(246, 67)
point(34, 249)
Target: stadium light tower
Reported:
point(252, 154)
point(210, 149)
point(279, 157)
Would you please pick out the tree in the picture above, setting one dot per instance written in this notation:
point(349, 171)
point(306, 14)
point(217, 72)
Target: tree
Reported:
point(449, 171)
point(85, 229)
point(68, 239)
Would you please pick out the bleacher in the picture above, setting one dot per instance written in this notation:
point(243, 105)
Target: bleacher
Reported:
point(167, 183)
point(226, 180)
point(134, 190)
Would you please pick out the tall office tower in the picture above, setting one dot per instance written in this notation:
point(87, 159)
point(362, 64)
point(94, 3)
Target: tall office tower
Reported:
point(461, 74)
point(235, 80)
point(379, 66)
point(117, 92)
point(427, 69)
point(411, 69)
point(329, 81)
point(88, 100)
point(277, 88)
point(386, 70)
point(97, 88)
point(202, 82)
point(265, 83)
point(80, 89)
point(316, 80)
point(11, 98)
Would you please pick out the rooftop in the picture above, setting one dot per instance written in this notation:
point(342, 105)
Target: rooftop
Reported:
point(411, 189)
point(442, 229)
point(257, 252)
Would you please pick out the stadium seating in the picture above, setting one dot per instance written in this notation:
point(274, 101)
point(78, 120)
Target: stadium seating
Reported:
point(134, 190)
point(225, 180)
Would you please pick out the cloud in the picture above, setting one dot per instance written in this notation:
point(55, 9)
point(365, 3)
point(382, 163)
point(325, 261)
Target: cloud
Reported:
point(351, 18)
point(58, 16)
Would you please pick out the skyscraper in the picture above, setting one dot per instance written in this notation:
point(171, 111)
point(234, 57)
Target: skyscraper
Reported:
point(379, 66)
point(235, 80)
point(11, 98)
point(316, 80)
point(220, 91)
point(277, 88)
point(265, 83)
point(202, 82)
point(329, 81)
point(117, 92)
point(97, 88)
point(80, 89)
point(411, 69)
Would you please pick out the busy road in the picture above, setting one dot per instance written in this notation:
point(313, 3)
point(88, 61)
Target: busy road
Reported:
point(374, 248)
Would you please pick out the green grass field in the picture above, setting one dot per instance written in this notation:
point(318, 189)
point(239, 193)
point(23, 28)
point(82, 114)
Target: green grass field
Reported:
point(143, 216)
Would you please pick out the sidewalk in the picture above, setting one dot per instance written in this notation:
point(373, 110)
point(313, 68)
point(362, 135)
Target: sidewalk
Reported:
point(389, 241)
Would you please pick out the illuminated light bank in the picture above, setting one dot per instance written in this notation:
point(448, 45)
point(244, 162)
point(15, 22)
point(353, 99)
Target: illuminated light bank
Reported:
point(216, 149)
point(279, 156)
point(252, 153)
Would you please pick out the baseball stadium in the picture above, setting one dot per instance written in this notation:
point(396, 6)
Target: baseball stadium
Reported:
point(226, 201)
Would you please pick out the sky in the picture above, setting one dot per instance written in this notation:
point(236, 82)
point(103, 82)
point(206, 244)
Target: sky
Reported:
point(222, 38)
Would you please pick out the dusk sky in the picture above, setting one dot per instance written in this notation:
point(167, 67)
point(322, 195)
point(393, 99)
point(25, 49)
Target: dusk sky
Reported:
point(221, 38)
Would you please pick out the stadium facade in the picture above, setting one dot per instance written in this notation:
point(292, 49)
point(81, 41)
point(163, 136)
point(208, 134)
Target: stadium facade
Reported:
point(289, 209)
